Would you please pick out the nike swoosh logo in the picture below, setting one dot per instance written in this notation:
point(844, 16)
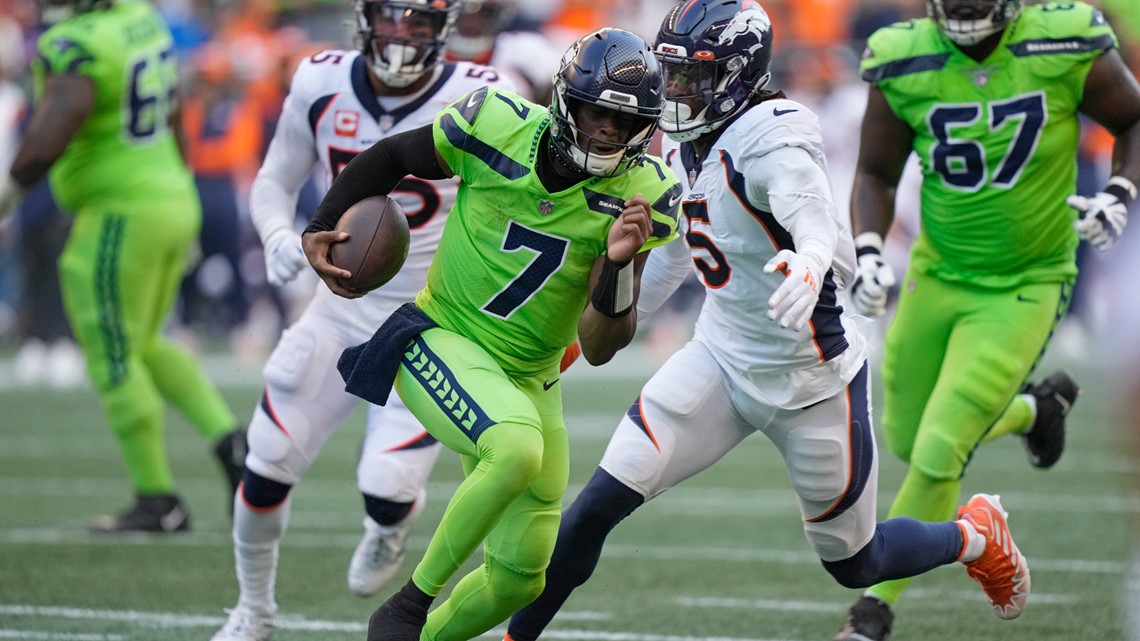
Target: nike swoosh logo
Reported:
point(472, 100)
point(549, 384)
point(780, 112)
point(1023, 299)
point(674, 199)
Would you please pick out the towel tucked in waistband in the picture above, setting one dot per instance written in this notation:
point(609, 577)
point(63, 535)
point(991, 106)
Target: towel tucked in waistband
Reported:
point(370, 369)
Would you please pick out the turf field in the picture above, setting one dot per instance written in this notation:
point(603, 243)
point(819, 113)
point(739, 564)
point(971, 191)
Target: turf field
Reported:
point(722, 558)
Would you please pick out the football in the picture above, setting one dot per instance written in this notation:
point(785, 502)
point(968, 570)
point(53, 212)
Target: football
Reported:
point(377, 243)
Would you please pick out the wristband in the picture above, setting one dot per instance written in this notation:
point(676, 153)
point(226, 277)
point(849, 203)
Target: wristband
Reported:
point(1122, 188)
point(613, 295)
point(868, 242)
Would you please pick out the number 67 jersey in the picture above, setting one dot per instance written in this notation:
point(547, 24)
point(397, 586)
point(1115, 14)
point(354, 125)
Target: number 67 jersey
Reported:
point(125, 156)
point(996, 140)
point(332, 114)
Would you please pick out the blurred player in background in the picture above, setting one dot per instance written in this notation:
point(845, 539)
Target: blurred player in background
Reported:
point(556, 211)
point(339, 104)
point(988, 95)
point(104, 127)
point(481, 35)
point(774, 350)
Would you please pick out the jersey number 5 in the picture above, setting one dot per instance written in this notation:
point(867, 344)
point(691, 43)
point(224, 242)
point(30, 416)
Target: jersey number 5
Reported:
point(962, 162)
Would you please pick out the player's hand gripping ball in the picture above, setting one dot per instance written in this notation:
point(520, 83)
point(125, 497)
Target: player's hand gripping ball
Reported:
point(376, 246)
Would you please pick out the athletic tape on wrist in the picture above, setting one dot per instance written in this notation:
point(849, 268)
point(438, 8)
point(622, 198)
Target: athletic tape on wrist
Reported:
point(1122, 188)
point(868, 242)
point(613, 296)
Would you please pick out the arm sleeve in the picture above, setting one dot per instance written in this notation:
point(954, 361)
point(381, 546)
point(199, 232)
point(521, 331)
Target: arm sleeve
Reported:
point(665, 270)
point(288, 164)
point(800, 199)
point(376, 171)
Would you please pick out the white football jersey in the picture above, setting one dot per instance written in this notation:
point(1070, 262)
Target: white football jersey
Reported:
point(733, 232)
point(528, 58)
point(332, 114)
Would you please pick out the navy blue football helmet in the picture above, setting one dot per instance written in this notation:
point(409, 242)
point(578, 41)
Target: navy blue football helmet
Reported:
point(403, 39)
point(968, 22)
point(613, 69)
point(715, 55)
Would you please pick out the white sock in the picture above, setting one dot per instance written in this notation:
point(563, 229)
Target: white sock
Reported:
point(1032, 400)
point(975, 542)
point(256, 539)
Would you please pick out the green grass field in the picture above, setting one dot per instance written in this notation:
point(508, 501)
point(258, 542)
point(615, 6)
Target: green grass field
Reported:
point(722, 557)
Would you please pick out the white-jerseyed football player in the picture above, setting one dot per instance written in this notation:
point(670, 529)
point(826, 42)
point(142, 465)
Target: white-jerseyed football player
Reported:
point(340, 103)
point(774, 350)
point(481, 35)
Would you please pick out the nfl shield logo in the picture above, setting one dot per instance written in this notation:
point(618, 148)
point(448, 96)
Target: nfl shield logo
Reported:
point(545, 207)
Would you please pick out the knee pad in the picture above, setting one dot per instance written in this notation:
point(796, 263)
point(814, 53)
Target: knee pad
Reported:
point(514, 588)
point(939, 458)
point(386, 512)
point(129, 402)
point(261, 493)
point(514, 452)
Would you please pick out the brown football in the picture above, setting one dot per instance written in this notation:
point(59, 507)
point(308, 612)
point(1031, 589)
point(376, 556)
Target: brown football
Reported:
point(377, 243)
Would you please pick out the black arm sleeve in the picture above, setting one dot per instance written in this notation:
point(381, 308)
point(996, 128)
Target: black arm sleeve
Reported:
point(376, 171)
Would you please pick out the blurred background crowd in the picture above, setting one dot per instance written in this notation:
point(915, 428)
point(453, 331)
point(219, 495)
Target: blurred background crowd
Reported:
point(237, 58)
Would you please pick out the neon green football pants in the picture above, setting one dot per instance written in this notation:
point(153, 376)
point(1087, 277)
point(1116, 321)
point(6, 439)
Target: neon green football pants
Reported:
point(511, 437)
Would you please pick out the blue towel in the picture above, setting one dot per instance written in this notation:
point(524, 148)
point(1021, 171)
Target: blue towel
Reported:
point(370, 369)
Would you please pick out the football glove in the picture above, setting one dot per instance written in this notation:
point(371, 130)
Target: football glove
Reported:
point(794, 300)
point(284, 258)
point(874, 278)
point(1103, 216)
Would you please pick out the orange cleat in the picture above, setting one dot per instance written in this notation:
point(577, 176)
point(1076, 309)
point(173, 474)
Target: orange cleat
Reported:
point(1001, 569)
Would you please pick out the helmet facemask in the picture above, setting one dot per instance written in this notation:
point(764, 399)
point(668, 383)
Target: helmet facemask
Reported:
point(478, 24)
point(701, 94)
point(968, 22)
point(590, 153)
point(403, 39)
point(606, 102)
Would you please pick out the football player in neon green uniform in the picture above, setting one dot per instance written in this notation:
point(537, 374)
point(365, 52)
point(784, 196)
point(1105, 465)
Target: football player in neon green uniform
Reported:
point(988, 95)
point(105, 91)
point(555, 211)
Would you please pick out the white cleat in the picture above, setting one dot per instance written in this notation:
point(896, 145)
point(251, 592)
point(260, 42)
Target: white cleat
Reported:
point(380, 552)
point(245, 624)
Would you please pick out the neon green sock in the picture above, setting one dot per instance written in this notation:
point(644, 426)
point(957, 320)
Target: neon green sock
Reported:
point(1016, 419)
point(925, 499)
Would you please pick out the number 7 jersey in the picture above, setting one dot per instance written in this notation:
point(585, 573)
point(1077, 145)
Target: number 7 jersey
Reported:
point(125, 155)
point(997, 140)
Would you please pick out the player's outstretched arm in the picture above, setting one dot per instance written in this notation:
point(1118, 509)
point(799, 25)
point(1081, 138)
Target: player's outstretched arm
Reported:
point(1112, 98)
point(610, 319)
point(375, 172)
point(885, 143)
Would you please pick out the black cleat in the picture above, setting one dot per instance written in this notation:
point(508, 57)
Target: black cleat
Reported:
point(869, 619)
point(160, 513)
point(1045, 439)
point(398, 619)
point(230, 450)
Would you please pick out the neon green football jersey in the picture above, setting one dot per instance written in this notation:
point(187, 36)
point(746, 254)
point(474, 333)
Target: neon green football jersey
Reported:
point(512, 270)
point(997, 140)
point(125, 156)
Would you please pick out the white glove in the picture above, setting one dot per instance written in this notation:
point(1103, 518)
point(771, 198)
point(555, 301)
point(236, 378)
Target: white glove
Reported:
point(1103, 217)
point(794, 300)
point(284, 258)
point(874, 278)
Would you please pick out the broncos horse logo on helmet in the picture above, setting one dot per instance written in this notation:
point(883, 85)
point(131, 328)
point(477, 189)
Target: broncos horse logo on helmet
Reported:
point(715, 55)
point(613, 69)
point(403, 39)
point(968, 22)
